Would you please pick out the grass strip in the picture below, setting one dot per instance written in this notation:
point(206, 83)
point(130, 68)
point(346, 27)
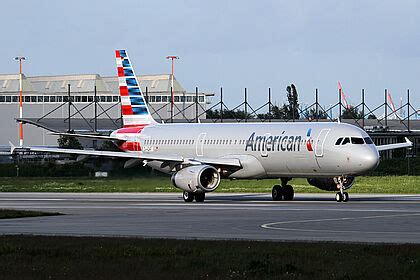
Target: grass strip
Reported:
point(366, 184)
point(42, 257)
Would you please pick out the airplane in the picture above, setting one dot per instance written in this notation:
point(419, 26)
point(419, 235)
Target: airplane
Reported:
point(328, 154)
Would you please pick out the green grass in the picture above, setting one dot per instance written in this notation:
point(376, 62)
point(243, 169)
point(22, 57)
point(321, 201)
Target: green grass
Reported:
point(12, 214)
point(37, 257)
point(374, 184)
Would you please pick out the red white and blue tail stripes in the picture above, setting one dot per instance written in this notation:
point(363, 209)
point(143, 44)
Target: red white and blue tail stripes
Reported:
point(133, 105)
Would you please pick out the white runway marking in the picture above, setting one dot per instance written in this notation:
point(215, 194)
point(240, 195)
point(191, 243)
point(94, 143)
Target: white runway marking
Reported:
point(195, 206)
point(274, 225)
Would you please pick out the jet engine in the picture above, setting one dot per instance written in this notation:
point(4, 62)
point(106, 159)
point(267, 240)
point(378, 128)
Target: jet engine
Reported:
point(330, 184)
point(201, 178)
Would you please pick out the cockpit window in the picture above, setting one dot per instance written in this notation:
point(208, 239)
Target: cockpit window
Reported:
point(368, 140)
point(339, 141)
point(357, 140)
point(346, 141)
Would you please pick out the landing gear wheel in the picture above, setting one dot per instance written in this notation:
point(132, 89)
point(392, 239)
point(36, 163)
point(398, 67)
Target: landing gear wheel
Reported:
point(199, 197)
point(288, 192)
point(345, 196)
point(277, 193)
point(338, 197)
point(187, 196)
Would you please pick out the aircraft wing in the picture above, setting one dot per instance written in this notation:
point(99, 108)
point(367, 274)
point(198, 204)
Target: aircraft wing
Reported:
point(90, 136)
point(133, 155)
point(407, 144)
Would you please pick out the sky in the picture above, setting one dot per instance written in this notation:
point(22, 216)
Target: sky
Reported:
point(370, 44)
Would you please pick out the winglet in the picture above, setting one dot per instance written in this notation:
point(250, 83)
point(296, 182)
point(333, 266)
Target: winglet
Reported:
point(12, 148)
point(408, 141)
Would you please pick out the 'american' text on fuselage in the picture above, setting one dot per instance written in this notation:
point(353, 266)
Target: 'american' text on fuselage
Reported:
point(269, 143)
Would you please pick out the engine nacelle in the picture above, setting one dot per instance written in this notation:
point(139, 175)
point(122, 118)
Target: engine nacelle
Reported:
point(330, 184)
point(197, 178)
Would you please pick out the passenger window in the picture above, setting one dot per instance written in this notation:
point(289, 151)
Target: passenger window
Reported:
point(346, 141)
point(357, 141)
point(339, 141)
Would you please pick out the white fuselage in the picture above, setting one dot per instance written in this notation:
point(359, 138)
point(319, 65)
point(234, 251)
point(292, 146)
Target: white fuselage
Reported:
point(266, 150)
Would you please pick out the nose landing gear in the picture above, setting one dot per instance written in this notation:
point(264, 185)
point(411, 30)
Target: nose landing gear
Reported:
point(341, 196)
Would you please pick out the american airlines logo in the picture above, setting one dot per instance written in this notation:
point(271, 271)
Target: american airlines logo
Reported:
point(282, 142)
point(269, 142)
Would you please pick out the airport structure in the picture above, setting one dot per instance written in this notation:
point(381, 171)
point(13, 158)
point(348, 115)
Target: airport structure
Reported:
point(45, 104)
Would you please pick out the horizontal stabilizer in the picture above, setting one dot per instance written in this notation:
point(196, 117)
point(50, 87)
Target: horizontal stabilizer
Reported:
point(90, 136)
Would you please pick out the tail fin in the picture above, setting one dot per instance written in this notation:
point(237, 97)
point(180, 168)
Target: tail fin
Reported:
point(134, 109)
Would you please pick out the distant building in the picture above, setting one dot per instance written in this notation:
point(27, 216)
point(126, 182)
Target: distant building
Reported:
point(45, 104)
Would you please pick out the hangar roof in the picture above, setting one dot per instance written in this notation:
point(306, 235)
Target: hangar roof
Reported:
point(83, 83)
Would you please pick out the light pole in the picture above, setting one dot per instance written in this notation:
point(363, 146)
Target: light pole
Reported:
point(20, 59)
point(172, 58)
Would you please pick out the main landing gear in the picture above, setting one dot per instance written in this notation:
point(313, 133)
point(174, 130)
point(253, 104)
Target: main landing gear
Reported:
point(189, 196)
point(284, 191)
point(341, 196)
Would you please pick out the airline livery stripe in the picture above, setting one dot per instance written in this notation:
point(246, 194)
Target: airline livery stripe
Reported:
point(126, 110)
point(120, 72)
point(128, 72)
point(131, 82)
point(121, 81)
point(139, 110)
point(123, 91)
point(125, 63)
point(137, 100)
point(134, 91)
point(125, 100)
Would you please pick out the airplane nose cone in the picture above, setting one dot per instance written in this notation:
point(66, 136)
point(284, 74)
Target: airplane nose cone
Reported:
point(370, 160)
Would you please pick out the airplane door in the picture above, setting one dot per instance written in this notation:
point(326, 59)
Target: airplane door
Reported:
point(199, 146)
point(319, 147)
point(148, 147)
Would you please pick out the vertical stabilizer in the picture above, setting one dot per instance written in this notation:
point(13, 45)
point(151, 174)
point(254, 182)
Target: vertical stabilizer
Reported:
point(134, 109)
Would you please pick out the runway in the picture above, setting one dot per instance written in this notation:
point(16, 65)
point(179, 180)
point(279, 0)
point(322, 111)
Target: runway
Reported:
point(311, 217)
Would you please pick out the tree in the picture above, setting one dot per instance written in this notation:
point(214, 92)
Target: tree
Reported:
point(352, 113)
point(372, 117)
point(213, 114)
point(228, 114)
point(277, 112)
point(69, 142)
point(292, 111)
point(313, 114)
